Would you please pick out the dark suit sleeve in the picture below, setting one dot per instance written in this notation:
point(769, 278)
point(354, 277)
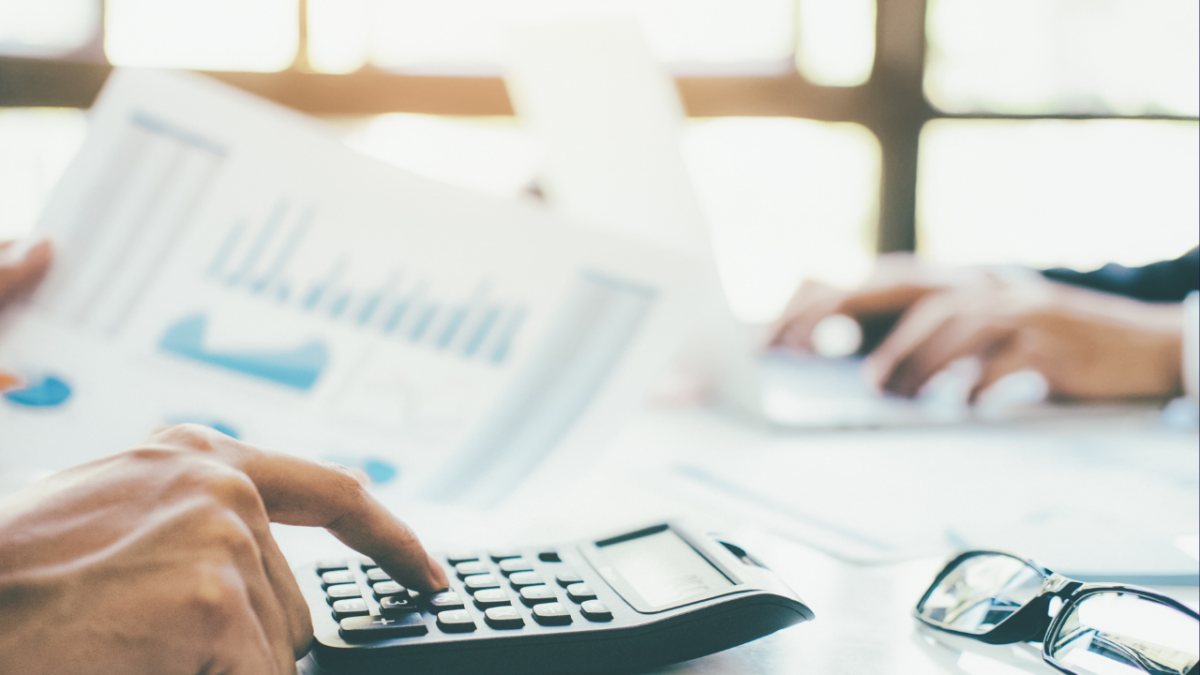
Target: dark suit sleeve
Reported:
point(1166, 281)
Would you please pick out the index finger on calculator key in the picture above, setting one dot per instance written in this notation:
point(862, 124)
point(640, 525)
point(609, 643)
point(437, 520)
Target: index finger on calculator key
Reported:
point(298, 491)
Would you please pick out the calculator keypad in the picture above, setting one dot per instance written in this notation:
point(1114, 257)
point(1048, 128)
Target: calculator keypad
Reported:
point(594, 610)
point(350, 607)
point(491, 597)
point(535, 595)
point(372, 628)
point(370, 606)
point(580, 592)
point(456, 621)
point(504, 618)
point(552, 614)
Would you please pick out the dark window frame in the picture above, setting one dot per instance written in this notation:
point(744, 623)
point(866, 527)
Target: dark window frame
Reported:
point(891, 103)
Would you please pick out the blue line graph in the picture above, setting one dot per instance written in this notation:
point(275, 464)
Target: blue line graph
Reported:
point(256, 258)
point(298, 367)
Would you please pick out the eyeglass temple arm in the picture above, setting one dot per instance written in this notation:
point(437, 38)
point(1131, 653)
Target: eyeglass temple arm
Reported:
point(1030, 623)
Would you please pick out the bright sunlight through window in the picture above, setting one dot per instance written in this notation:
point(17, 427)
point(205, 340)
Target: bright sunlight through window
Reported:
point(1054, 192)
point(835, 41)
point(258, 35)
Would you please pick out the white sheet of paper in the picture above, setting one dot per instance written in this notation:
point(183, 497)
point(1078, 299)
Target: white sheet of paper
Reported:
point(1099, 505)
point(222, 260)
point(606, 120)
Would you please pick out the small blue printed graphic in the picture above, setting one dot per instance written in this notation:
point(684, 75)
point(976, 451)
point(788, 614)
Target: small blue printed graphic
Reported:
point(46, 391)
point(298, 368)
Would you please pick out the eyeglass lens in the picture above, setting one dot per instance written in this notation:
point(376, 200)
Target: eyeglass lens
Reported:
point(1114, 633)
point(980, 592)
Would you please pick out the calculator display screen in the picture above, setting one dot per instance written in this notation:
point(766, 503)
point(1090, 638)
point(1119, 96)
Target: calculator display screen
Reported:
point(664, 569)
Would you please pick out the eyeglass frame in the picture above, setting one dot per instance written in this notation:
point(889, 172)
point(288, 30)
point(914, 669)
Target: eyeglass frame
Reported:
point(1026, 621)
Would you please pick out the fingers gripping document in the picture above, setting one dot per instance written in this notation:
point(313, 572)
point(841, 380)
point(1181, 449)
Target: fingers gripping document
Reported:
point(221, 260)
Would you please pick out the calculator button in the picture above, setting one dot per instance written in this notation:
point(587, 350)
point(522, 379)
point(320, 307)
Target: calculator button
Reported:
point(478, 581)
point(594, 610)
point(461, 557)
point(503, 617)
point(456, 621)
point(397, 604)
point(549, 556)
point(580, 592)
point(533, 595)
point(445, 600)
point(567, 577)
point(343, 591)
point(387, 588)
point(371, 628)
point(497, 556)
point(336, 577)
point(466, 569)
point(520, 579)
point(366, 563)
point(515, 565)
point(324, 566)
point(349, 607)
point(375, 574)
point(491, 597)
point(552, 614)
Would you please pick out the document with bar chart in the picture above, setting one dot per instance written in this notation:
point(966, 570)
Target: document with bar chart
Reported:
point(225, 261)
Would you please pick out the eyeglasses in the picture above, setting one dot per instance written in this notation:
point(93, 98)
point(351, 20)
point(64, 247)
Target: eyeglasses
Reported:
point(1085, 629)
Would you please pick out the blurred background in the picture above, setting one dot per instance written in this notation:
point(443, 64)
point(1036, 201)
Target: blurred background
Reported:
point(819, 132)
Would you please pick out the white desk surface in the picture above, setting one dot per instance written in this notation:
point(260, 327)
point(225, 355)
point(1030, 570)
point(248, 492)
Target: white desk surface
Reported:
point(863, 622)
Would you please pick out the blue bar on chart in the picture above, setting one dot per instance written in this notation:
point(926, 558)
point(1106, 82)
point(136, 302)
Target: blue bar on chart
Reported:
point(424, 319)
point(507, 334)
point(480, 334)
point(374, 300)
point(339, 304)
point(217, 267)
point(260, 244)
point(320, 289)
point(294, 238)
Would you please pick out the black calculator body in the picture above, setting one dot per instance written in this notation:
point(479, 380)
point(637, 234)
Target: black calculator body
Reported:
point(626, 603)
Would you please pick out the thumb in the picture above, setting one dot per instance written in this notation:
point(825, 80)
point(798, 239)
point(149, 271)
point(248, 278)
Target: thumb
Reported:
point(20, 270)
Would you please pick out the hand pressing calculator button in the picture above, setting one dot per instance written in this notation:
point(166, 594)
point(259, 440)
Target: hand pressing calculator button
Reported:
point(397, 604)
point(504, 618)
point(637, 601)
point(445, 600)
point(375, 574)
point(387, 588)
point(580, 592)
point(372, 628)
point(552, 614)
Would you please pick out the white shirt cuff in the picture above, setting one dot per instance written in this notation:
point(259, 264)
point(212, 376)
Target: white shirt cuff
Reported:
point(1191, 346)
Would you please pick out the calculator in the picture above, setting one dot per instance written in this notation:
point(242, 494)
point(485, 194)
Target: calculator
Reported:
point(637, 600)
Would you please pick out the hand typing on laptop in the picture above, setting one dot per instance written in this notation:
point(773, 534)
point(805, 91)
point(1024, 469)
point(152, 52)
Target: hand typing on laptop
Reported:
point(917, 319)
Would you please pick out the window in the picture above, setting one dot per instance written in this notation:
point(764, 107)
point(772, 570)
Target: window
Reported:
point(821, 130)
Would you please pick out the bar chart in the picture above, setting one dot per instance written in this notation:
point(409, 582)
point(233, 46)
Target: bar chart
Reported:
point(130, 222)
point(257, 258)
